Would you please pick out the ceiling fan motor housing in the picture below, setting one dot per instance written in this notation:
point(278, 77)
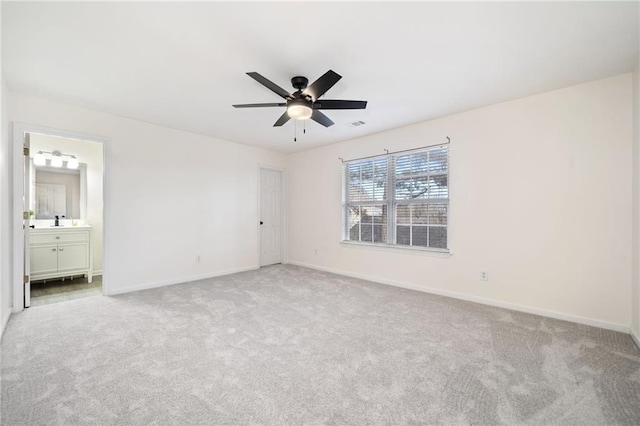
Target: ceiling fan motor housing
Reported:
point(299, 82)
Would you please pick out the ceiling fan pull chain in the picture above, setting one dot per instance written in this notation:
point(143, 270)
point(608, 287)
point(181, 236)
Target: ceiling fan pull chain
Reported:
point(295, 127)
point(304, 127)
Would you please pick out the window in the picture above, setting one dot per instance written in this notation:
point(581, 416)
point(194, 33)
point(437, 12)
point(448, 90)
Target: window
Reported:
point(367, 192)
point(398, 199)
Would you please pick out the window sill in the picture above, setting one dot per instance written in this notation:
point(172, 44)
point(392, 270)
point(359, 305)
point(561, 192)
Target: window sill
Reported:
point(433, 252)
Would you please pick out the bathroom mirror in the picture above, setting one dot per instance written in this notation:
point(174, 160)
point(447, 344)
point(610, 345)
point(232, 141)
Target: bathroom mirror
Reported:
point(59, 191)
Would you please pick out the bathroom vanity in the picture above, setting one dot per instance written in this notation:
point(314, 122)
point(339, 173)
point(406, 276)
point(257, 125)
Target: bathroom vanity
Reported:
point(58, 252)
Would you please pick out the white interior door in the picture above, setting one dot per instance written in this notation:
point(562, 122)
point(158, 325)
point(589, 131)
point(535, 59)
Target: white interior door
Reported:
point(270, 217)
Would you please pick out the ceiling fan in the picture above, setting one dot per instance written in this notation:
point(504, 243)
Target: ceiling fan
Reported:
point(304, 103)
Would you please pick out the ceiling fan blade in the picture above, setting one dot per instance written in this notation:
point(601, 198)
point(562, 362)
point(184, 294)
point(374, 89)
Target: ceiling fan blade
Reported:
point(319, 117)
point(259, 105)
point(339, 104)
point(283, 119)
point(321, 85)
point(269, 85)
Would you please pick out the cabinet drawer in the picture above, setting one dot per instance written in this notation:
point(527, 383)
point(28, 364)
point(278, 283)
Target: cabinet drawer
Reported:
point(58, 237)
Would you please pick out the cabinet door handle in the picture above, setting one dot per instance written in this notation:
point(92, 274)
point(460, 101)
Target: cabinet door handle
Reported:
point(57, 238)
point(53, 249)
point(60, 249)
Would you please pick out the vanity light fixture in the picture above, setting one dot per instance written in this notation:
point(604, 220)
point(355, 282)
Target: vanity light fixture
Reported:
point(56, 159)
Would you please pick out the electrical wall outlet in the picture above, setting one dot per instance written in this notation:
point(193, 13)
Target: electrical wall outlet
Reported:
point(197, 259)
point(484, 276)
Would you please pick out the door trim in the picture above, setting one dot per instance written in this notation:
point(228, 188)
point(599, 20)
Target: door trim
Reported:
point(283, 213)
point(18, 130)
point(27, 169)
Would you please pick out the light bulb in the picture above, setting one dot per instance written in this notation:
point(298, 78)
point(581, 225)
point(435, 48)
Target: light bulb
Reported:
point(39, 159)
point(72, 163)
point(56, 161)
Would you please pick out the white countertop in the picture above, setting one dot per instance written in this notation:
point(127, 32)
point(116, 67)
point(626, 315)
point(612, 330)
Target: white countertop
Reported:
point(40, 227)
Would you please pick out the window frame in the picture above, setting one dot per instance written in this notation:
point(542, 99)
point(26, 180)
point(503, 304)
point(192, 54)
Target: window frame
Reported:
point(392, 203)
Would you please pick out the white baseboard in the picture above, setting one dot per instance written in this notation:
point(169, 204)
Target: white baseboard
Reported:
point(635, 336)
point(182, 280)
point(477, 299)
point(5, 320)
point(97, 272)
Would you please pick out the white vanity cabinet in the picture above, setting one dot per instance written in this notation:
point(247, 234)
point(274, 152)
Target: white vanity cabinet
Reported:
point(60, 252)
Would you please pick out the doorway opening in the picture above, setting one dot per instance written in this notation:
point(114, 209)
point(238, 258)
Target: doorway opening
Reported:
point(64, 220)
point(66, 229)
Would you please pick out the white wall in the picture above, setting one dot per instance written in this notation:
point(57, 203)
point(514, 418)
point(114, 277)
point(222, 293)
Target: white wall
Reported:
point(6, 203)
point(540, 198)
point(170, 196)
point(89, 153)
point(635, 253)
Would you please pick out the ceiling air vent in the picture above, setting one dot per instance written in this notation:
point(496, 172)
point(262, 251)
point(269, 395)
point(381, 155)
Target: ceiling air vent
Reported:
point(358, 123)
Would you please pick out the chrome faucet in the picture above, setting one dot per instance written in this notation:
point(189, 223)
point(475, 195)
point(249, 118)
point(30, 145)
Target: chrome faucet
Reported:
point(57, 222)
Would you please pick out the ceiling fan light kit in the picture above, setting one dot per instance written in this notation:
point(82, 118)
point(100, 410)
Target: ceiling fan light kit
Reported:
point(299, 110)
point(303, 104)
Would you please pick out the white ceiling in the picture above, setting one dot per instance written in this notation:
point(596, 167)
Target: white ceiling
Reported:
point(183, 65)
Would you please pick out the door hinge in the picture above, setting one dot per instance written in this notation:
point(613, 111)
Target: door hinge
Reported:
point(25, 215)
point(26, 279)
point(25, 151)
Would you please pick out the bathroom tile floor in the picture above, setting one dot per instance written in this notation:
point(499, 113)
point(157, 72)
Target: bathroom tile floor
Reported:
point(54, 291)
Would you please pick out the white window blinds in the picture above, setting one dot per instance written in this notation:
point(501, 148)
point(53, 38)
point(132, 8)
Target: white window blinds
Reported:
point(367, 192)
point(398, 199)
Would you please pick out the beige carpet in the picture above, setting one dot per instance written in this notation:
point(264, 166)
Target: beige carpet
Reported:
point(288, 345)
